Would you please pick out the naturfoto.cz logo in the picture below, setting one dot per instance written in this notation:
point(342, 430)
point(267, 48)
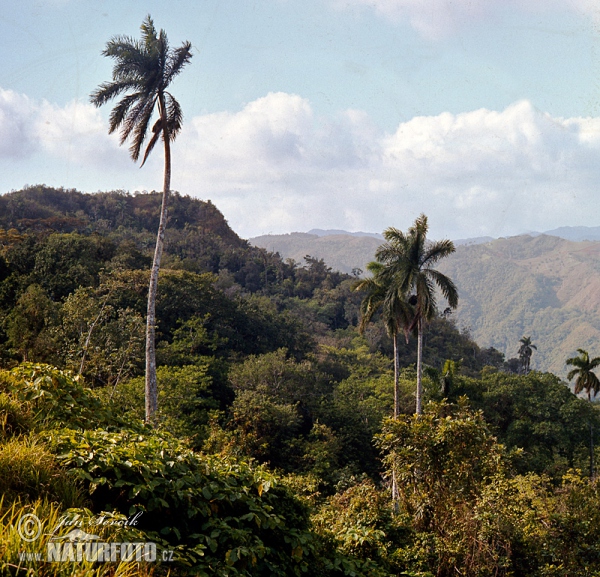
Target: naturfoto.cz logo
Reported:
point(77, 545)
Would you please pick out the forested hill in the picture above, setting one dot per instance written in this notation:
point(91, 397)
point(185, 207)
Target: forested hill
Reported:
point(68, 210)
point(54, 242)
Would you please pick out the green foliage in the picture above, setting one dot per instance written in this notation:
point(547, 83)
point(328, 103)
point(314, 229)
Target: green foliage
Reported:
point(27, 325)
point(536, 413)
point(54, 397)
point(184, 400)
point(29, 471)
point(359, 523)
point(99, 340)
point(230, 518)
point(15, 416)
point(281, 377)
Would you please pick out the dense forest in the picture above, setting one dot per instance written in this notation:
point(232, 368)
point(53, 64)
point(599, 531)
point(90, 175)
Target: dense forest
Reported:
point(275, 446)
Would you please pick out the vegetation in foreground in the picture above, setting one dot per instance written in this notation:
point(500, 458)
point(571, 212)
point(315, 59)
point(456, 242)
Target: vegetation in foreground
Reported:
point(275, 445)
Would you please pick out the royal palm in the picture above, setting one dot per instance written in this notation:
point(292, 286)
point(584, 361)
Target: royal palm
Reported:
point(396, 313)
point(585, 380)
point(407, 268)
point(525, 352)
point(142, 72)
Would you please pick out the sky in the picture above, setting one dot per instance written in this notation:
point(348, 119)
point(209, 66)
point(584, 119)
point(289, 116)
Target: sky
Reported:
point(344, 114)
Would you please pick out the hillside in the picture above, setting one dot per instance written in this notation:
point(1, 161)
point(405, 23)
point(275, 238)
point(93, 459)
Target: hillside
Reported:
point(541, 286)
point(343, 252)
point(544, 287)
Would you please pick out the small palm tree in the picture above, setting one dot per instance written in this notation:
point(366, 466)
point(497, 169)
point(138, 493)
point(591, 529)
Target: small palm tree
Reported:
point(407, 264)
point(525, 352)
point(583, 373)
point(142, 72)
point(585, 380)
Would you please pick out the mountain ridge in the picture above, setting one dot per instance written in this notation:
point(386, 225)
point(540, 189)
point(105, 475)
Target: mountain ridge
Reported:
point(541, 286)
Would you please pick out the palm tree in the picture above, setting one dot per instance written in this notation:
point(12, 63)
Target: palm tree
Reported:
point(585, 379)
point(407, 261)
point(142, 72)
point(525, 352)
point(396, 313)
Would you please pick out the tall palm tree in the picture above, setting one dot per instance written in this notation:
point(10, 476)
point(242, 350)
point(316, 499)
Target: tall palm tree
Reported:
point(142, 72)
point(396, 313)
point(585, 379)
point(407, 264)
point(395, 310)
point(525, 352)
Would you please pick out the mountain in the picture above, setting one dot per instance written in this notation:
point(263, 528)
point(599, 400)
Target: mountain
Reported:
point(576, 233)
point(342, 252)
point(544, 287)
point(332, 231)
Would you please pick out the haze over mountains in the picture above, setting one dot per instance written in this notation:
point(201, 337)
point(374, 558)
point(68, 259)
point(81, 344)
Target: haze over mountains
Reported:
point(542, 285)
point(347, 251)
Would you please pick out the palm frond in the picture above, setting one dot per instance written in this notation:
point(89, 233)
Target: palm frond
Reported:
point(177, 60)
point(139, 128)
point(119, 112)
point(156, 132)
point(446, 286)
point(174, 116)
point(109, 90)
point(437, 251)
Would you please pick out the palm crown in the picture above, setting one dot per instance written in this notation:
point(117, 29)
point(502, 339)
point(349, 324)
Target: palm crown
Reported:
point(408, 260)
point(585, 378)
point(143, 69)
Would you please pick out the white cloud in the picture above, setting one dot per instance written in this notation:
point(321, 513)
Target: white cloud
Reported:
point(275, 166)
point(17, 134)
point(434, 19)
point(75, 133)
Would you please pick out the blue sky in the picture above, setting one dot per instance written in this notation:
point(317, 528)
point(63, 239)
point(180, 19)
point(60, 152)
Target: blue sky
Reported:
point(353, 114)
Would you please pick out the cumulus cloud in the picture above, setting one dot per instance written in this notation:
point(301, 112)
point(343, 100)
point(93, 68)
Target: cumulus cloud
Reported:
point(17, 134)
point(276, 167)
point(434, 19)
point(75, 133)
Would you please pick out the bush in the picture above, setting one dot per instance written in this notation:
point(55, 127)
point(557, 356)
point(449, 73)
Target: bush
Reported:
point(224, 516)
point(15, 417)
point(54, 397)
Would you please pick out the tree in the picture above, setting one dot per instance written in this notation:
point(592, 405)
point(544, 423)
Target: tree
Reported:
point(396, 312)
point(407, 261)
point(525, 352)
point(143, 71)
point(585, 379)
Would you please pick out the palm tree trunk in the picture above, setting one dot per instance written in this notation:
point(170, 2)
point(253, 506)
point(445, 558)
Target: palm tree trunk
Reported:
point(396, 413)
point(419, 409)
point(151, 388)
point(591, 451)
point(396, 378)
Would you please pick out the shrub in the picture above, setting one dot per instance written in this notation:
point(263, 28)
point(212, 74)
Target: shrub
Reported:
point(224, 516)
